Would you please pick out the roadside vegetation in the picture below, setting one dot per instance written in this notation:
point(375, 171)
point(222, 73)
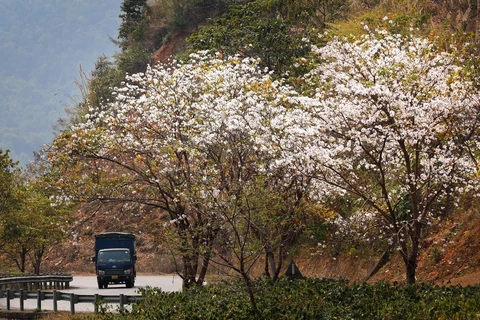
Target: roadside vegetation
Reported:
point(266, 135)
point(31, 221)
point(308, 299)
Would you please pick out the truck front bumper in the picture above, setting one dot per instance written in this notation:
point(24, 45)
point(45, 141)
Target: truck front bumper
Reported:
point(114, 278)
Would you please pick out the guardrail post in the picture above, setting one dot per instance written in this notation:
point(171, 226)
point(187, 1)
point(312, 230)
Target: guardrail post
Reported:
point(22, 302)
point(39, 300)
point(72, 303)
point(55, 305)
point(8, 299)
point(122, 303)
point(95, 304)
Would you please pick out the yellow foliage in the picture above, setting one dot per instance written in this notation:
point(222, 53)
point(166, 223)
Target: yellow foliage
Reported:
point(318, 211)
point(138, 158)
point(402, 15)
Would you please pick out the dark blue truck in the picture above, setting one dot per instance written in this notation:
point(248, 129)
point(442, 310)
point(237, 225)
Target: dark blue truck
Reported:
point(115, 259)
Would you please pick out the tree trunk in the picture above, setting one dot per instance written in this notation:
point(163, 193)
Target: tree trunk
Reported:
point(37, 259)
point(411, 258)
point(411, 268)
point(267, 265)
point(387, 255)
point(278, 268)
point(22, 260)
point(271, 264)
point(190, 264)
point(251, 295)
point(203, 268)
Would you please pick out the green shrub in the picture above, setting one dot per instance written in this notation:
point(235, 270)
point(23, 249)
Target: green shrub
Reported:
point(310, 299)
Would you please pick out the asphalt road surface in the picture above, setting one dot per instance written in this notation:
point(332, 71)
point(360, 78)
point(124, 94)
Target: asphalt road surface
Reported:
point(88, 285)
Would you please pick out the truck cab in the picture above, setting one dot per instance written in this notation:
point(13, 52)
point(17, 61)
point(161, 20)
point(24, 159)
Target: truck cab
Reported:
point(115, 259)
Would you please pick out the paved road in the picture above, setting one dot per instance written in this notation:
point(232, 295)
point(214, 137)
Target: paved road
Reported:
point(88, 285)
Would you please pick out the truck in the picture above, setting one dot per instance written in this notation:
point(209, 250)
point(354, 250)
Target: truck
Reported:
point(115, 259)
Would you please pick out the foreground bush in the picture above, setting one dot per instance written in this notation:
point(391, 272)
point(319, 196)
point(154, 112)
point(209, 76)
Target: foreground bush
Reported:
point(310, 299)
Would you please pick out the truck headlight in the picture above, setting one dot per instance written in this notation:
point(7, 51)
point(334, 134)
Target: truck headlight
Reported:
point(101, 272)
point(127, 271)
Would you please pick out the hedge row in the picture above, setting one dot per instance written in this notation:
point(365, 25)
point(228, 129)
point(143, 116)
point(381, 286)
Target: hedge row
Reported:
point(310, 299)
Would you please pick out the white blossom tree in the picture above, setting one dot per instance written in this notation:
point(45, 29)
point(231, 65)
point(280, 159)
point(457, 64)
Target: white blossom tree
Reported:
point(187, 139)
point(394, 123)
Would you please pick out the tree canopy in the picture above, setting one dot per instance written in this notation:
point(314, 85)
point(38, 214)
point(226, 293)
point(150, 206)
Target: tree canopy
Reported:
point(30, 222)
point(394, 123)
point(190, 139)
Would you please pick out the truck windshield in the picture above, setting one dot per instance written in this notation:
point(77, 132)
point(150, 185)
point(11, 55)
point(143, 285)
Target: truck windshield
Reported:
point(114, 256)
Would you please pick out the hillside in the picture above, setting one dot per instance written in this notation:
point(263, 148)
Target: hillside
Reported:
point(448, 253)
point(450, 256)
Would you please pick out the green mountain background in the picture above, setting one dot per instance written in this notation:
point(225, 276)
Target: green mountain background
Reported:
point(43, 44)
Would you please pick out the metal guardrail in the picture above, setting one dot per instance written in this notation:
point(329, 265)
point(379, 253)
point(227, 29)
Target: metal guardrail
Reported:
point(35, 282)
point(56, 296)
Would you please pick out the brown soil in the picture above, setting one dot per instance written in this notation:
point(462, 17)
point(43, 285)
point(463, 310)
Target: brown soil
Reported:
point(450, 255)
point(176, 45)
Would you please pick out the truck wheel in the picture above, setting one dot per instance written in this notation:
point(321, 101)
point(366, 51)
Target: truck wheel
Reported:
point(129, 284)
point(100, 285)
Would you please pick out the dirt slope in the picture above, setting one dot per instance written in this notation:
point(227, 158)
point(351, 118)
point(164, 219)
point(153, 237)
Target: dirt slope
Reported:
point(451, 255)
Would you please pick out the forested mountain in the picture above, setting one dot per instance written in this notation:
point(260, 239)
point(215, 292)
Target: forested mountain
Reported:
point(42, 46)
